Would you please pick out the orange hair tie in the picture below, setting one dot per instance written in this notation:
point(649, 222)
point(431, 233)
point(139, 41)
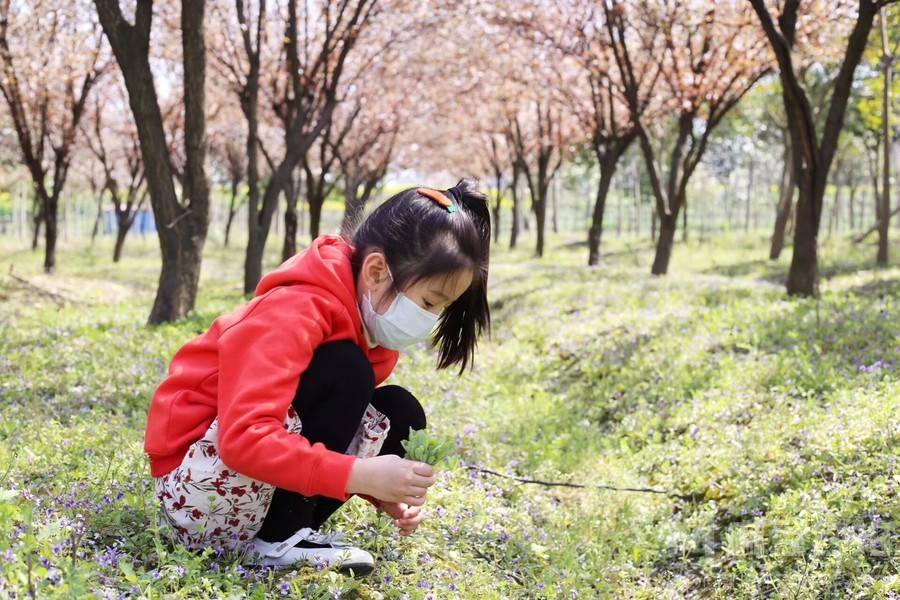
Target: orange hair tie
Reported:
point(437, 197)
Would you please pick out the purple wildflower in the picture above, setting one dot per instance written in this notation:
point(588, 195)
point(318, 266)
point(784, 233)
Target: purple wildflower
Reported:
point(109, 558)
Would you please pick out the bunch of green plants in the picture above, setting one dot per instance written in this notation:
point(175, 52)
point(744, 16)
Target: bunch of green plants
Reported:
point(423, 447)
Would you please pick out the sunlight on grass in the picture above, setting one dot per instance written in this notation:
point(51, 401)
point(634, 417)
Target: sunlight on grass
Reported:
point(777, 418)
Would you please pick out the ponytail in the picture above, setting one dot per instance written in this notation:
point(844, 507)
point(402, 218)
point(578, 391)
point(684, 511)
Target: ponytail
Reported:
point(463, 321)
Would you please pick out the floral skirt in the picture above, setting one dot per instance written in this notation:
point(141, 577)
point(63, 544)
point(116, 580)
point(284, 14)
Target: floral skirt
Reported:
point(205, 503)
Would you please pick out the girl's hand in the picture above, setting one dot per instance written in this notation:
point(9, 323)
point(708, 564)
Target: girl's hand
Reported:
point(406, 517)
point(390, 478)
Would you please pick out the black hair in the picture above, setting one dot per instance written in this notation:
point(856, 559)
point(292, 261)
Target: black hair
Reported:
point(421, 239)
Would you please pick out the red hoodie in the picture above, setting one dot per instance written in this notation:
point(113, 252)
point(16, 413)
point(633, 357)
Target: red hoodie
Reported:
point(245, 369)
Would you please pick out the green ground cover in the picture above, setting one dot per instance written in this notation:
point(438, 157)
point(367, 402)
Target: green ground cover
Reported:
point(776, 421)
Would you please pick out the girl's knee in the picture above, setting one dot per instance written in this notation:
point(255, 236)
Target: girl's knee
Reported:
point(345, 362)
point(397, 402)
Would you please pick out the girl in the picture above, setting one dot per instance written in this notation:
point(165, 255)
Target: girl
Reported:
point(268, 422)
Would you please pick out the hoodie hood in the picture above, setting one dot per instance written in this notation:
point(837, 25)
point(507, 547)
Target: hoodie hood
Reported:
point(325, 264)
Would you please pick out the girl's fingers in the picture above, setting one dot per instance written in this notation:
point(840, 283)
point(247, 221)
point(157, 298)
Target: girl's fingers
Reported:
point(423, 481)
point(415, 490)
point(412, 520)
point(423, 468)
point(415, 500)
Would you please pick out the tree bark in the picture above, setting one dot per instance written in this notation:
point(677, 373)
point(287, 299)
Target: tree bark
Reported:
point(353, 206)
point(124, 224)
point(231, 211)
point(50, 232)
point(554, 199)
point(749, 198)
point(96, 228)
point(540, 214)
point(315, 217)
point(498, 177)
point(803, 275)
point(835, 208)
point(596, 230)
point(37, 219)
point(181, 227)
point(785, 201)
point(885, 202)
point(291, 194)
point(667, 226)
point(862, 237)
point(514, 216)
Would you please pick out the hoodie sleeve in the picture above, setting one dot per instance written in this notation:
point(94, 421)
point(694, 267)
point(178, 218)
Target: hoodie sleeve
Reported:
point(261, 358)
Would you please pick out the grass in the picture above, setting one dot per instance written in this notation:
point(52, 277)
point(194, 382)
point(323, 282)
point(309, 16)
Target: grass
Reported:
point(776, 419)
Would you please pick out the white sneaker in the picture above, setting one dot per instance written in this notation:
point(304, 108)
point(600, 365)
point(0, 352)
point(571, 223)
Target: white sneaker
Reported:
point(309, 546)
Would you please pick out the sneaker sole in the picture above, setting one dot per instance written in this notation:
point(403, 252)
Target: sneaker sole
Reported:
point(360, 569)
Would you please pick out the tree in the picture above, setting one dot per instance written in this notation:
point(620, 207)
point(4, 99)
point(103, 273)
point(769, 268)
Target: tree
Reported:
point(182, 223)
point(888, 55)
point(242, 68)
point(228, 150)
point(597, 98)
point(812, 155)
point(116, 148)
point(46, 90)
point(711, 58)
point(304, 96)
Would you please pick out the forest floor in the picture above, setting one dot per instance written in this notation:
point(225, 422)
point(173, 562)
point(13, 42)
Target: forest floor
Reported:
point(774, 423)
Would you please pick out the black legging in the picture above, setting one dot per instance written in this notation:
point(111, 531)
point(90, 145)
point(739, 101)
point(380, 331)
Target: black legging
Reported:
point(331, 398)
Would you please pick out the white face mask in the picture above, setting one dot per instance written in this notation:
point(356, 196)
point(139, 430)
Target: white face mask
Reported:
point(403, 324)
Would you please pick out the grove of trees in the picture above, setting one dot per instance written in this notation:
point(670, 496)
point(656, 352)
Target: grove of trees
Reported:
point(291, 102)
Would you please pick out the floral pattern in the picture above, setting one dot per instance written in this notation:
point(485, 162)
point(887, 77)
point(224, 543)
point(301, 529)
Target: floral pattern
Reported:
point(203, 502)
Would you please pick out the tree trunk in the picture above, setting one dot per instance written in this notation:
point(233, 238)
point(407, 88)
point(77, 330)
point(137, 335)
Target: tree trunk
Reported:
point(596, 230)
point(353, 206)
point(50, 233)
point(862, 237)
point(555, 200)
point(885, 203)
point(514, 225)
point(96, 228)
point(540, 214)
point(499, 179)
point(749, 198)
point(124, 223)
point(260, 226)
point(664, 244)
point(636, 217)
point(37, 219)
point(785, 201)
point(803, 276)
point(684, 223)
point(181, 228)
point(291, 193)
point(315, 216)
point(231, 211)
point(835, 209)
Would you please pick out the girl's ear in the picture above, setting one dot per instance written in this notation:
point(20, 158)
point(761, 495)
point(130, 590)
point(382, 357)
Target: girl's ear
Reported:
point(374, 269)
point(374, 275)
